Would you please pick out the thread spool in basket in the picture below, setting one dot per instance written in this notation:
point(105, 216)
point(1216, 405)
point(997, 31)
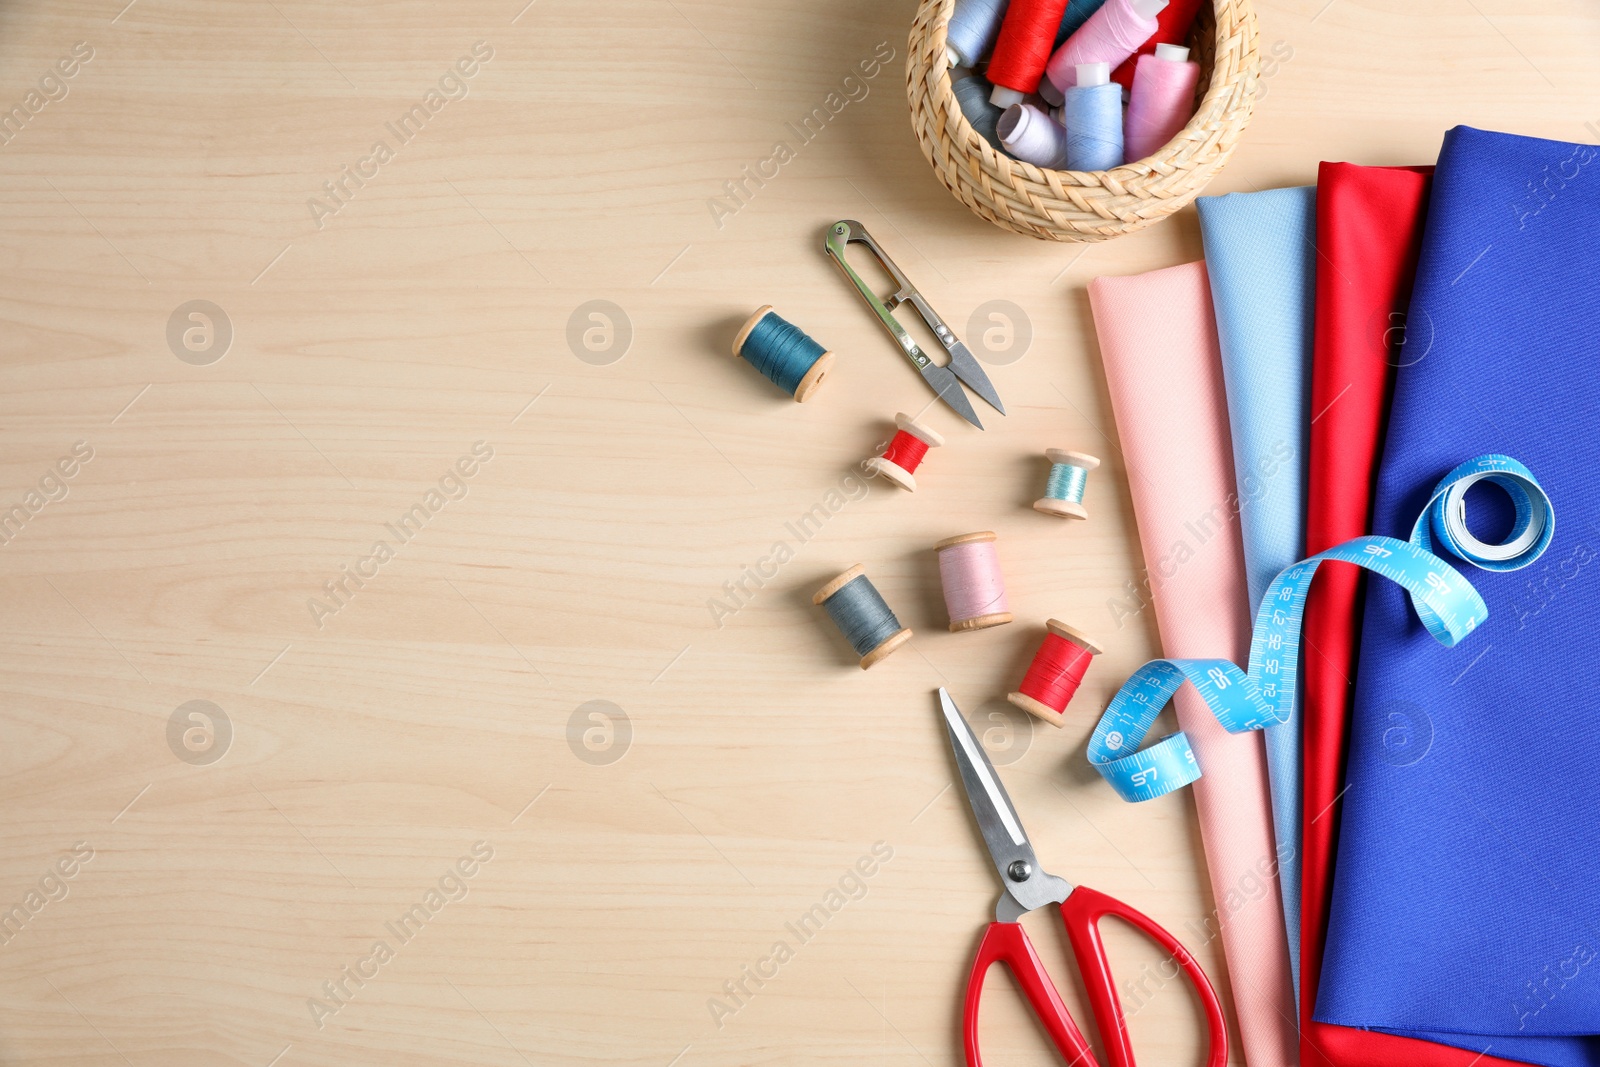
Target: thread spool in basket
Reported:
point(905, 453)
point(1092, 115)
point(1055, 673)
point(974, 589)
point(1029, 134)
point(783, 353)
point(1078, 12)
point(1023, 48)
point(1110, 35)
point(972, 95)
point(1161, 102)
point(1069, 477)
point(974, 25)
point(861, 614)
point(1174, 25)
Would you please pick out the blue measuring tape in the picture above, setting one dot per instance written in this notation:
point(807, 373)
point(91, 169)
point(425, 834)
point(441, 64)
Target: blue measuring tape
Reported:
point(1445, 602)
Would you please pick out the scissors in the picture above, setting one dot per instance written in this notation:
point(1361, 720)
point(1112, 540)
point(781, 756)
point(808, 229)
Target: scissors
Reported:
point(1027, 888)
point(943, 379)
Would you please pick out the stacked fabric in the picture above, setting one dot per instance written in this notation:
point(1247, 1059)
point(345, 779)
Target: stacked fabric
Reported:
point(1466, 906)
point(1461, 922)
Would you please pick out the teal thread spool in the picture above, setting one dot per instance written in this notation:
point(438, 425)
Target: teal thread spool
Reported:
point(783, 353)
point(861, 614)
point(1069, 477)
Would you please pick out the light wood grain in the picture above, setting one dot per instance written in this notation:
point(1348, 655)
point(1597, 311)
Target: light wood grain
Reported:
point(432, 711)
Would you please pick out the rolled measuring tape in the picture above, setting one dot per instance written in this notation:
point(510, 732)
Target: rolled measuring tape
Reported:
point(1445, 601)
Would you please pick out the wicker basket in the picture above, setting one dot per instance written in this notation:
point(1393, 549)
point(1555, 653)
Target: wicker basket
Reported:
point(1066, 205)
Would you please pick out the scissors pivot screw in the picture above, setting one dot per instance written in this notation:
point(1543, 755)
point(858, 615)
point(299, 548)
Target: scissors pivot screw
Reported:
point(1019, 870)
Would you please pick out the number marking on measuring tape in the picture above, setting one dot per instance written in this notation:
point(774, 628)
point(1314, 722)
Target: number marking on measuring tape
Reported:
point(1446, 603)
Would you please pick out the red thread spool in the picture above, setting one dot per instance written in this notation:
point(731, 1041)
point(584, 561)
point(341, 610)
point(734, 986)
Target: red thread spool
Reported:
point(1056, 672)
point(905, 452)
point(1023, 49)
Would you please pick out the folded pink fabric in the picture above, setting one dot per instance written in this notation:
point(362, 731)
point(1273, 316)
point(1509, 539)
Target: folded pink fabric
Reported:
point(1158, 340)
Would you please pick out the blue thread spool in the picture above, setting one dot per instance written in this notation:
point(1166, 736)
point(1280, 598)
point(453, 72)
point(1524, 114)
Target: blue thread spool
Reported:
point(972, 94)
point(1092, 114)
point(783, 353)
point(972, 30)
point(1069, 476)
point(861, 614)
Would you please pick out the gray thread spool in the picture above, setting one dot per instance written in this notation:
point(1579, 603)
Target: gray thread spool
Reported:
point(972, 94)
point(861, 614)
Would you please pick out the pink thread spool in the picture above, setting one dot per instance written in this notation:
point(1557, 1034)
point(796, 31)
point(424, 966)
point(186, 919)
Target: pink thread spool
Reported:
point(1111, 35)
point(1162, 100)
point(974, 590)
point(1028, 134)
point(901, 459)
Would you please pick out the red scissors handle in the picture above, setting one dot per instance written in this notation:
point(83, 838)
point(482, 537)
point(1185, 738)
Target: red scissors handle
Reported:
point(1081, 912)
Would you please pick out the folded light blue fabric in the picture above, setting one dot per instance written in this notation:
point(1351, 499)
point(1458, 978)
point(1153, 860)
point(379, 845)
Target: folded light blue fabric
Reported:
point(1261, 255)
point(1466, 897)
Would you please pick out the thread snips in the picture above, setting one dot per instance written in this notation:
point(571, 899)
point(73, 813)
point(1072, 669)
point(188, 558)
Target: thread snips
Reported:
point(943, 379)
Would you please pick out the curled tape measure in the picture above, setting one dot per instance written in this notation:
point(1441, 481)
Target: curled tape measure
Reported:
point(1445, 602)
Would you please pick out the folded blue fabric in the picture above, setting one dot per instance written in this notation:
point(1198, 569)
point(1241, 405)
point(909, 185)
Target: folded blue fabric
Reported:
point(1466, 898)
point(1261, 255)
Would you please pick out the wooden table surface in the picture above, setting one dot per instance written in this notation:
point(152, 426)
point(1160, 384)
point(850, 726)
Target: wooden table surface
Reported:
point(518, 791)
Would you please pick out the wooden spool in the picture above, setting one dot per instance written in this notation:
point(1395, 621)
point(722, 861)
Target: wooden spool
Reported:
point(1037, 708)
point(884, 647)
point(979, 622)
point(1065, 509)
point(892, 470)
point(814, 377)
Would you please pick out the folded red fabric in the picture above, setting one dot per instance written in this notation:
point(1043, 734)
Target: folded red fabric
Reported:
point(1369, 229)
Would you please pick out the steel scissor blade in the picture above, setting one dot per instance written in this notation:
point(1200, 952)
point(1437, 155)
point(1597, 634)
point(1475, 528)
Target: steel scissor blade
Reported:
point(1026, 886)
point(949, 389)
point(997, 818)
point(967, 369)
